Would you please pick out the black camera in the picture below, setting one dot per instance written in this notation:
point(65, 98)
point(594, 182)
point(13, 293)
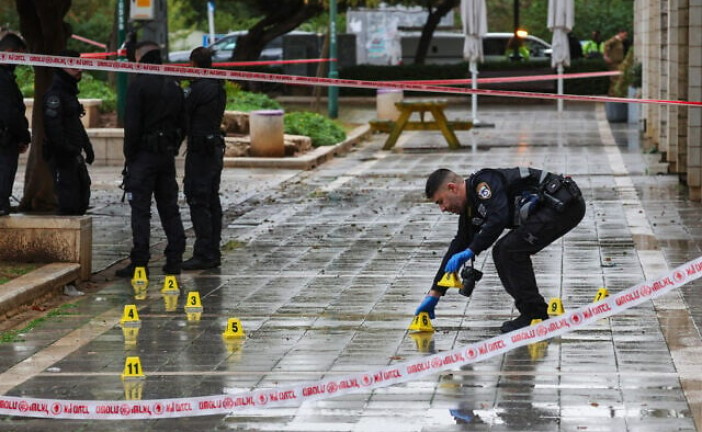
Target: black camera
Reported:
point(470, 277)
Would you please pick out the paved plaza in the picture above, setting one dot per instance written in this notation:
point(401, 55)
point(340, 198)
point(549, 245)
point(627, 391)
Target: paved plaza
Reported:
point(325, 268)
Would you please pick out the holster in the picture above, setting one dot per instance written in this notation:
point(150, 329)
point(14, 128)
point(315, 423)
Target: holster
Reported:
point(161, 143)
point(559, 191)
point(205, 144)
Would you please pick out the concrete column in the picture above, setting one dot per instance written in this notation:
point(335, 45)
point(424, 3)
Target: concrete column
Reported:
point(679, 163)
point(694, 126)
point(652, 68)
point(663, 69)
point(670, 117)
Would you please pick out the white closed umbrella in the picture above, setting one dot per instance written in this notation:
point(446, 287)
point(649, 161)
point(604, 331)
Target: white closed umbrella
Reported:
point(474, 17)
point(561, 16)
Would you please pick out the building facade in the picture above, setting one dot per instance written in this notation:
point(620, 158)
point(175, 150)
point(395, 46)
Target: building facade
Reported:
point(668, 43)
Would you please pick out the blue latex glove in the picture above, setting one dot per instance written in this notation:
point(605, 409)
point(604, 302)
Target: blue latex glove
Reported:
point(457, 260)
point(428, 305)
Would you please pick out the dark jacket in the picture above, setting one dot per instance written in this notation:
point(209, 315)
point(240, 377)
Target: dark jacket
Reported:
point(494, 197)
point(155, 105)
point(204, 104)
point(14, 128)
point(65, 133)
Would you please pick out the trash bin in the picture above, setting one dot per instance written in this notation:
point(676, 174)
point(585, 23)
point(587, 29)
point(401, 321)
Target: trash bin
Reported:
point(266, 132)
point(385, 104)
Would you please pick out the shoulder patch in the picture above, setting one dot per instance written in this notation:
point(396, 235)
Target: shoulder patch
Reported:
point(483, 191)
point(53, 102)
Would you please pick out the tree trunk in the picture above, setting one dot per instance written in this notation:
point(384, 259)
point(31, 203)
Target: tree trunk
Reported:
point(42, 26)
point(283, 20)
point(432, 23)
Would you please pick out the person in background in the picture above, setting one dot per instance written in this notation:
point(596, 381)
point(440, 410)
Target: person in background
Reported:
point(153, 131)
point(66, 140)
point(594, 47)
point(576, 50)
point(205, 101)
point(516, 49)
point(613, 53)
point(14, 128)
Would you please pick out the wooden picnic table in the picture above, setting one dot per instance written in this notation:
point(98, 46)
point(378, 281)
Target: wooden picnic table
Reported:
point(436, 108)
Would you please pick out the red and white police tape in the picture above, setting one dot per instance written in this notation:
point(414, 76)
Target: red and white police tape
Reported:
point(357, 382)
point(188, 72)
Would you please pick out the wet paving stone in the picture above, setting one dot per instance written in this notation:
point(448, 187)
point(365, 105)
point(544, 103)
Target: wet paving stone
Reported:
point(328, 269)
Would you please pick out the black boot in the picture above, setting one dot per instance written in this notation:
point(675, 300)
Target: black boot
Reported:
point(529, 313)
point(197, 263)
point(128, 271)
point(171, 268)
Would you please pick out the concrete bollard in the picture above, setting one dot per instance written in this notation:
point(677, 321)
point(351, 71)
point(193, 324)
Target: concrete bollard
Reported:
point(385, 104)
point(266, 131)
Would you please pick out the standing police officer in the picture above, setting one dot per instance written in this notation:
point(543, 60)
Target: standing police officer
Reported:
point(154, 116)
point(14, 128)
point(66, 139)
point(204, 102)
point(538, 206)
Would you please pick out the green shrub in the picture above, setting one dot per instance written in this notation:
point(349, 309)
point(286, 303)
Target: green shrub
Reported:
point(25, 80)
point(93, 88)
point(240, 100)
point(320, 129)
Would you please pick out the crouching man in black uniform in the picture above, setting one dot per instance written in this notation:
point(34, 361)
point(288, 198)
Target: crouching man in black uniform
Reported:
point(66, 139)
point(204, 102)
point(14, 128)
point(539, 207)
point(154, 116)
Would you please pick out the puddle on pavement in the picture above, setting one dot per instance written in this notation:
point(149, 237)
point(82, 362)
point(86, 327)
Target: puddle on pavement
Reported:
point(645, 242)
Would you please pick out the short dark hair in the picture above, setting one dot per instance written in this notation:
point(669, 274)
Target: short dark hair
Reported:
point(202, 57)
point(144, 47)
point(12, 41)
point(436, 180)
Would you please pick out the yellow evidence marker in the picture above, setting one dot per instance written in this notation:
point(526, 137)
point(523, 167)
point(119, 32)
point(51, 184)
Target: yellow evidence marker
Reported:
point(602, 294)
point(192, 303)
point(170, 285)
point(555, 307)
point(450, 280)
point(421, 323)
point(234, 329)
point(132, 368)
point(139, 280)
point(130, 317)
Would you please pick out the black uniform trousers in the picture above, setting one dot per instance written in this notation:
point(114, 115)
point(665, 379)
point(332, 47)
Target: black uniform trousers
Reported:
point(154, 174)
point(8, 168)
point(512, 253)
point(203, 173)
point(72, 184)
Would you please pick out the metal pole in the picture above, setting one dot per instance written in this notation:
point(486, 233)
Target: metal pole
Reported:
point(560, 86)
point(210, 19)
point(516, 55)
point(333, 93)
point(121, 76)
point(474, 86)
